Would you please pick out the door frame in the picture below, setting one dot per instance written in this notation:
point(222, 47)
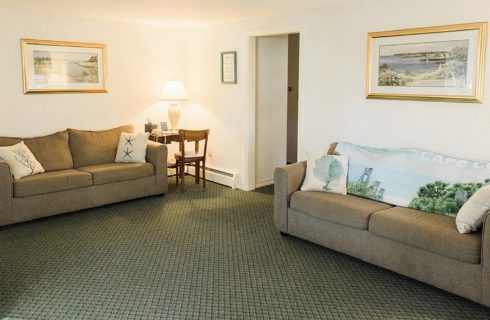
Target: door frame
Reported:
point(250, 145)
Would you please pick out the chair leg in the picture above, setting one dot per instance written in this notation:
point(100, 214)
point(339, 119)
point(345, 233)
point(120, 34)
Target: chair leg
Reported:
point(198, 172)
point(177, 164)
point(182, 175)
point(204, 174)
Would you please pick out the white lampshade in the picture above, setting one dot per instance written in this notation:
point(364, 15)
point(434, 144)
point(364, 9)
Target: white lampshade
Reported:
point(174, 91)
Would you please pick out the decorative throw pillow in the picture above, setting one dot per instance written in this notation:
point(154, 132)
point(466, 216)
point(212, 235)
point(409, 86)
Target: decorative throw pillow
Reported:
point(326, 173)
point(132, 147)
point(470, 216)
point(20, 160)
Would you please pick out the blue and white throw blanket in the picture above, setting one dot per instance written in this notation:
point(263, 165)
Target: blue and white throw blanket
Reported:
point(413, 178)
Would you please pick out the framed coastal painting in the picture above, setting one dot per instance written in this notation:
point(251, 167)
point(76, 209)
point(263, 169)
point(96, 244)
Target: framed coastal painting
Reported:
point(63, 67)
point(444, 63)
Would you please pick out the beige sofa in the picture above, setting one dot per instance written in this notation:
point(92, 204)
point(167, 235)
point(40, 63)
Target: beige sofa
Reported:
point(417, 244)
point(80, 173)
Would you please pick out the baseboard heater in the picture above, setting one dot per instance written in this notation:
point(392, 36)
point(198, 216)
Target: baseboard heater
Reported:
point(226, 178)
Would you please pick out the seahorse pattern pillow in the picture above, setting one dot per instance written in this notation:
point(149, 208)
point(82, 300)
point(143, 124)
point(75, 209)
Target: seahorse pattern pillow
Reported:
point(132, 147)
point(470, 216)
point(327, 173)
point(21, 161)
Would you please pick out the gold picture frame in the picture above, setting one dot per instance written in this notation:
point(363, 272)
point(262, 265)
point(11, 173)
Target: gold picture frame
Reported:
point(443, 63)
point(63, 67)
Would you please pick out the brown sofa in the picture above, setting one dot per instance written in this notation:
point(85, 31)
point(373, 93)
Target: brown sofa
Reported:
point(417, 244)
point(80, 173)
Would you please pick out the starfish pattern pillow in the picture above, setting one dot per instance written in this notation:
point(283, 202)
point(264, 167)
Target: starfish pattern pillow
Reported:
point(132, 147)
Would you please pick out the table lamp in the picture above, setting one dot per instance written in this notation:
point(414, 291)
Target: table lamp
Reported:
point(173, 92)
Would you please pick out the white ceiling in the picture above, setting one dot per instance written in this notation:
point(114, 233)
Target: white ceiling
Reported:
point(179, 13)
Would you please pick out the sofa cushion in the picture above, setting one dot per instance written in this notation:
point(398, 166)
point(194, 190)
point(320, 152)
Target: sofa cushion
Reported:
point(95, 147)
point(432, 232)
point(115, 172)
point(52, 151)
point(347, 210)
point(9, 141)
point(51, 182)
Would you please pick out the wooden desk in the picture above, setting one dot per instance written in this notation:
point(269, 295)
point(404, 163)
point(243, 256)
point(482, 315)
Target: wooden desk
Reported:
point(165, 139)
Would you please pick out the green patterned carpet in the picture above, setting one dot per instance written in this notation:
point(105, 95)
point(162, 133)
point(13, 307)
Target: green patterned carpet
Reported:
point(198, 255)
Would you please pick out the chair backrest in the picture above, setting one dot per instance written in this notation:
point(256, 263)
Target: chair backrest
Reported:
point(195, 136)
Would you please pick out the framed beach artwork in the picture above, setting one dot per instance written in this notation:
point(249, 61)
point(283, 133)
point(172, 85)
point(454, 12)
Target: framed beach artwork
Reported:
point(63, 67)
point(444, 63)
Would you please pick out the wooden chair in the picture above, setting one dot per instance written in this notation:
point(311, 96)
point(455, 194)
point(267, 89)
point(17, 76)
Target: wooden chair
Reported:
point(192, 157)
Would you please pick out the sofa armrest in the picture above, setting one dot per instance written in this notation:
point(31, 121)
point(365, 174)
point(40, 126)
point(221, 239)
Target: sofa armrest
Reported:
point(287, 180)
point(156, 154)
point(485, 260)
point(6, 193)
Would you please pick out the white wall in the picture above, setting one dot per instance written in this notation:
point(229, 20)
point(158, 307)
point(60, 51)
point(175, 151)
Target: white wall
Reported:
point(272, 107)
point(140, 59)
point(219, 107)
point(332, 102)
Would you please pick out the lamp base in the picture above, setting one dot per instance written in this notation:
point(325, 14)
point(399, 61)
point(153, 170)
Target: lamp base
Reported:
point(173, 115)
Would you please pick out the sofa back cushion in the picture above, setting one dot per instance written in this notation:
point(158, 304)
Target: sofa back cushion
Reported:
point(9, 141)
point(95, 147)
point(52, 151)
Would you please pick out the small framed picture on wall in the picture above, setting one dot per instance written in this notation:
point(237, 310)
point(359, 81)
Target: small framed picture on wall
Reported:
point(228, 67)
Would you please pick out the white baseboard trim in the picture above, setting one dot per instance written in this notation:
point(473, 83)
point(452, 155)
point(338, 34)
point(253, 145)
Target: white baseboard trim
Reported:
point(226, 178)
point(263, 183)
